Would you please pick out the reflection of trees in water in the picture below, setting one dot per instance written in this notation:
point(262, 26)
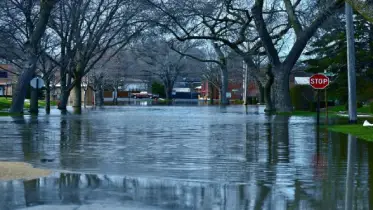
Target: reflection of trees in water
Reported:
point(281, 138)
point(9, 196)
point(172, 194)
point(370, 173)
point(69, 191)
point(27, 132)
point(76, 141)
point(32, 192)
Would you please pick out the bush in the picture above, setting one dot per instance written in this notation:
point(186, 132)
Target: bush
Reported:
point(301, 97)
point(358, 105)
point(312, 107)
point(238, 101)
point(158, 88)
point(254, 101)
point(371, 107)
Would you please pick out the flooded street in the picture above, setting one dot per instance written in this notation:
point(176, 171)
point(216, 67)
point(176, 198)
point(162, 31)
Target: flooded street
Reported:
point(185, 157)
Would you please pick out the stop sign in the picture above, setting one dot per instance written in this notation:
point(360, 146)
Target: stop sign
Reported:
point(319, 81)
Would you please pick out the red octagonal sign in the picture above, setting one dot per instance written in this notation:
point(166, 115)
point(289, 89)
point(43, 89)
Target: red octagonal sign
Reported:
point(319, 81)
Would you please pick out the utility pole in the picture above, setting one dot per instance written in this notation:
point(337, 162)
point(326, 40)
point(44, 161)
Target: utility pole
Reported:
point(245, 81)
point(352, 113)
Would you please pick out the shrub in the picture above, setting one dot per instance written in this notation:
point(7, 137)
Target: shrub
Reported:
point(371, 107)
point(254, 101)
point(312, 107)
point(359, 104)
point(301, 97)
point(238, 101)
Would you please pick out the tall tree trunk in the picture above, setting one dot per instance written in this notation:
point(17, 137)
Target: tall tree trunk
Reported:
point(65, 92)
point(31, 48)
point(212, 95)
point(168, 90)
point(268, 93)
point(85, 98)
point(47, 96)
point(63, 98)
point(268, 98)
point(261, 92)
point(282, 100)
point(77, 101)
point(115, 98)
point(99, 97)
point(19, 94)
point(224, 86)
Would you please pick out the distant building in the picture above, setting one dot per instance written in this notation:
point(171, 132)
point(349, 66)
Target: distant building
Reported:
point(186, 89)
point(8, 77)
point(135, 85)
point(235, 90)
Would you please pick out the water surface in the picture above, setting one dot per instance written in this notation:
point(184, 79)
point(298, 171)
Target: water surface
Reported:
point(184, 157)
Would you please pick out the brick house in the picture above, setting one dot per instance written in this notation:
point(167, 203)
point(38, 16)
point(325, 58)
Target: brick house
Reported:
point(235, 90)
point(8, 77)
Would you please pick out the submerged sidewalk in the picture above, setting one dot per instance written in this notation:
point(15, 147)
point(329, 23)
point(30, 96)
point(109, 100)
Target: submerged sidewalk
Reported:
point(19, 170)
point(129, 206)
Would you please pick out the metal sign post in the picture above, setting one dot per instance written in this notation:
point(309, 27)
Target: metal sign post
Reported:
point(318, 107)
point(319, 82)
point(326, 107)
point(36, 84)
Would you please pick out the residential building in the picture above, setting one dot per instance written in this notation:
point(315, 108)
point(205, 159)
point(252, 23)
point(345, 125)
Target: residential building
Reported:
point(235, 90)
point(8, 77)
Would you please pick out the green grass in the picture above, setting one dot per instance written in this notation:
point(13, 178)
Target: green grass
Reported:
point(342, 108)
point(6, 103)
point(306, 113)
point(298, 113)
point(358, 130)
point(6, 114)
point(332, 111)
point(339, 108)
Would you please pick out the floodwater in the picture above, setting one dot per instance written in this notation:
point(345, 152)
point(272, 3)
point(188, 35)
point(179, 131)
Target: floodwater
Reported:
point(185, 157)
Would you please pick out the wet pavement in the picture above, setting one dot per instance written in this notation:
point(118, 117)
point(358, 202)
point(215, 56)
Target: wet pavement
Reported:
point(184, 157)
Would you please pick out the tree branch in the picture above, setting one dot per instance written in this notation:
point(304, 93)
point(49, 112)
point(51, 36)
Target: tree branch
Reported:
point(272, 53)
point(293, 19)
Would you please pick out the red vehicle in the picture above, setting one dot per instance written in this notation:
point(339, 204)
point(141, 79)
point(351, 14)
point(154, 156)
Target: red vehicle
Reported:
point(143, 94)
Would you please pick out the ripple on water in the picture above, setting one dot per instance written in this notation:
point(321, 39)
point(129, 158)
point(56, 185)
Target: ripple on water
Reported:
point(189, 157)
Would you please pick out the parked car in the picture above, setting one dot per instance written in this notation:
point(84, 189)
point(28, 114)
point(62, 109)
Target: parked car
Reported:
point(144, 94)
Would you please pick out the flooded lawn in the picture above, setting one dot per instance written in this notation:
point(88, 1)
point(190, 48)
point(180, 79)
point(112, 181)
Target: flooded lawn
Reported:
point(184, 157)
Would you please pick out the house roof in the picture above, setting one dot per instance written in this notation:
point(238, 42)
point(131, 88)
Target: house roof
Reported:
point(301, 80)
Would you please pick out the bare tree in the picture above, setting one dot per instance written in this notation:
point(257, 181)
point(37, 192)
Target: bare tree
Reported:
point(221, 22)
point(87, 30)
point(248, 27)
point(217, 56)
point(25, 21)
point(110, 73)
point(48, 70)
point(163, 62)
point(213, 76)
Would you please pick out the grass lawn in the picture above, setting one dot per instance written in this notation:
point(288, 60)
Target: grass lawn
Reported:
point(358, 130)
point(342, 108)
point(306, 113)
point(332, 111)
point(6, 103)
point(5, 114)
